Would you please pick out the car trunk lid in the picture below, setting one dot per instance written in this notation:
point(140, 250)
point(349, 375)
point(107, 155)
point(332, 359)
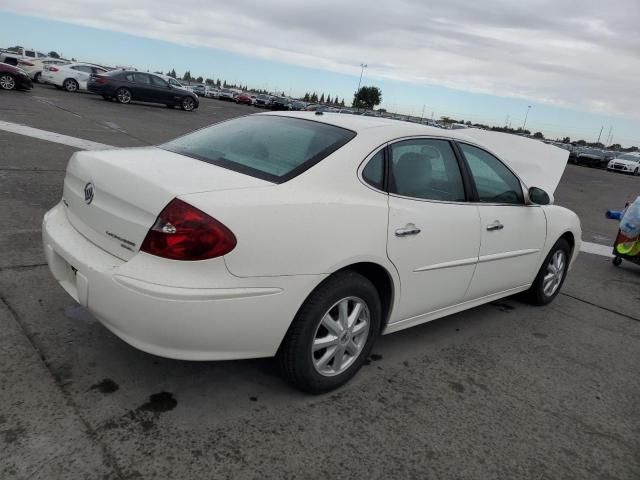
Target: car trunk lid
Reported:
point(113, 197)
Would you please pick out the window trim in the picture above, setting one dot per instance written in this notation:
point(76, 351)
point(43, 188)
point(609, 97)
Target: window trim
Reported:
point(466, 183)
point(299, 170)
point(476, 196)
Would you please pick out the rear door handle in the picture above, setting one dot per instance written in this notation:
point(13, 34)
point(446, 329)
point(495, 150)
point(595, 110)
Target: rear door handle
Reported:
point(496, 225)
point(408, 229)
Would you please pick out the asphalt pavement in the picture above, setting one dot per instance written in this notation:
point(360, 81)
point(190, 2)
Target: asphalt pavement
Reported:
point(505, 391)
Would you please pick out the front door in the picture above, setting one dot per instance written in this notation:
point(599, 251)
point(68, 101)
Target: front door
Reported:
point(434, 234)
point(513, 234)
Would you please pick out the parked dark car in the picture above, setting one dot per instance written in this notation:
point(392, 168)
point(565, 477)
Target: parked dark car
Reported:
point(263, 101)
point(279, 103)
point(126, 86)
point(14, 78)
point(591, 157)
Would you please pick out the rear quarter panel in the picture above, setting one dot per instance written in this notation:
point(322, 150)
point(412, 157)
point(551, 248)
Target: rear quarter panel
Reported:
point(316, 223)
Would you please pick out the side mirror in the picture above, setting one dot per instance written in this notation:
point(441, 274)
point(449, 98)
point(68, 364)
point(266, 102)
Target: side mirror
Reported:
point(538, 196)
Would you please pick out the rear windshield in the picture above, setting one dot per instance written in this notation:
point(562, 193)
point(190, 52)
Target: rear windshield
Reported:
point(264, 146)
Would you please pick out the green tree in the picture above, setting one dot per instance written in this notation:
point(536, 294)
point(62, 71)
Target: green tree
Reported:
point(209, 81)
point(328, 101)
point(314, 97)
point(336, 101)
point(187, 76)
point(218, 83)
point(342, 103)
point(224, 84)
point(199, 80)
point(53, 54)
point(566, 140)
point(306, 97)
point(15, 49)
point(322, 98)
point(367, 97)
point(538, 135)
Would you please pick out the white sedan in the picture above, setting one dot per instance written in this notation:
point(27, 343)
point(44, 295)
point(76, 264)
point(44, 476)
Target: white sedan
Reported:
point(306, 236)
point(71, 77)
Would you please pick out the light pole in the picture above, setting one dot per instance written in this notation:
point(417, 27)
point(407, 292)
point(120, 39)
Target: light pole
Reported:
point(362, 67)
point(525, 117)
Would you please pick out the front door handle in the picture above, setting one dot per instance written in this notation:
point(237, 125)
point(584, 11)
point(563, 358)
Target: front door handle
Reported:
point(496, 225)
point(408, 229)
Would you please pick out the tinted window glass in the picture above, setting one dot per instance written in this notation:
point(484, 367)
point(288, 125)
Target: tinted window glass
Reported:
point(175, 83)
point(268, 147)
point(494, 181)
point(141, 78)
point(30, 53)
point(373, 173)
point(158, 82)
point(426, 169)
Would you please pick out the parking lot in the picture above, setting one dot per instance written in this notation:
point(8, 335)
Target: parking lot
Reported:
point(505, 390)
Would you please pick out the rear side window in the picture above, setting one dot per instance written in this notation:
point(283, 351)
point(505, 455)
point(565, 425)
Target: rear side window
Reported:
point(426, 169)
point(265, 146)
point(141, 78)
point(373, 173)
point(494, 181)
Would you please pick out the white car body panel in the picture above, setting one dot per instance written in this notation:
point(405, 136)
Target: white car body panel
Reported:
point(65, 72)
point(290, 237)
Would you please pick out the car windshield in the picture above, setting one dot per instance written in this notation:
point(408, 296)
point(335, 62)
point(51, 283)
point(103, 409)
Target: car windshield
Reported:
point(268, 147)
point(634, 158)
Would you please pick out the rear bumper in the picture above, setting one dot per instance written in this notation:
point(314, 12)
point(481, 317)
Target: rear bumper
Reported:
point(182, 310)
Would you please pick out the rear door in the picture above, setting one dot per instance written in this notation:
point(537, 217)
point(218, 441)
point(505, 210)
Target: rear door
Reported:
point(141, 88)
point(434, 233)
point(513, 234)
point(160, 91)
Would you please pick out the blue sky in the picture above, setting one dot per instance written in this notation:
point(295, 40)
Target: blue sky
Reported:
point(409, 97)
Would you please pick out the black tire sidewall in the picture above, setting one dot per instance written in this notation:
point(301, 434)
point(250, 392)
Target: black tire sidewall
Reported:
point(297, 345)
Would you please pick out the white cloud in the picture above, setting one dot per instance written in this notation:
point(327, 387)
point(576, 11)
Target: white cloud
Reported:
point(581, 55)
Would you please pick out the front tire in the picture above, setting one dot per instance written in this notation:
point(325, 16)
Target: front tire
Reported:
point(552, 274)
point(636, 172)
point(70, 85)
point(123, 95)
point(188, 104)
point(7, 82)
point(332, 334)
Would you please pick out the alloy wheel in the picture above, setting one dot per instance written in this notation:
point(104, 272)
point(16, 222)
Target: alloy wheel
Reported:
point(123, 95)
point(70, 85)
point(7, 82)
point(340, 336)
point(188, 104)
point(554, 274)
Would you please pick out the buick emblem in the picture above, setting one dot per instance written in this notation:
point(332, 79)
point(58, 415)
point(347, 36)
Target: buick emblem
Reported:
point(88, 193)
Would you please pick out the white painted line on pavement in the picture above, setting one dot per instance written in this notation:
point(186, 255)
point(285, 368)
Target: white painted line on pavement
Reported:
point(597, 249)
point(52, 136)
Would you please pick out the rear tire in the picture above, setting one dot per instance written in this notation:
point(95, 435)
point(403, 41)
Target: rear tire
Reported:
point(7, 82)
point(70, 85)
point(552, 274)
point(123, 95)
point(314, 368)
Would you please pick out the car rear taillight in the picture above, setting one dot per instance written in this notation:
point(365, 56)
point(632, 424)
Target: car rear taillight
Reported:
point(52, 69)
point(183, 232)
point(101, 80)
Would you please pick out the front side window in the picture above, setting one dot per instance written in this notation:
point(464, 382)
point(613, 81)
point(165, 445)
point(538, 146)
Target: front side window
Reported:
point(426, 169)
point(495, 183)
point(175, 83)
point(158, 82)
point(30, 53)
point(268, 147)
